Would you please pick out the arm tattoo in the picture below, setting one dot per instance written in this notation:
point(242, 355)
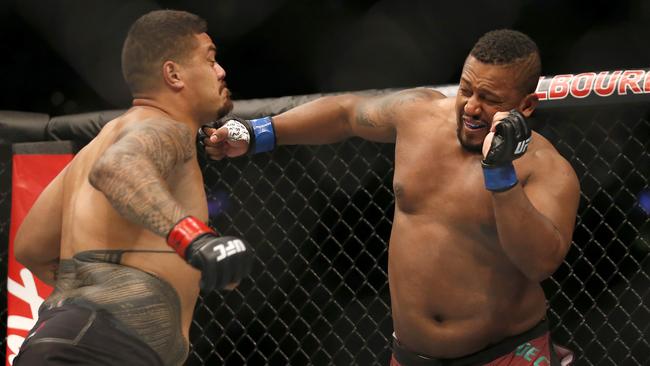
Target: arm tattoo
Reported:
point(132, 173)
point(378, 112)
point(392, 104)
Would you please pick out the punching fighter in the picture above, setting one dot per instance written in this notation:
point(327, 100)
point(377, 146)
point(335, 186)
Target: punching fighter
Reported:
point(484, 207)
point(121, 232)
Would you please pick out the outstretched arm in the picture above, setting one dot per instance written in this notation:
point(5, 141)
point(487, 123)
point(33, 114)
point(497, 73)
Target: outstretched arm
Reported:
point(132, 172)
point(335, 118)
point(332, 119)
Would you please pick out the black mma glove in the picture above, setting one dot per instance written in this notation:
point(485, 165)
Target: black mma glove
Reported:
point(200, 140)
point(222, 260)
point(510, 141)
point(259, 133)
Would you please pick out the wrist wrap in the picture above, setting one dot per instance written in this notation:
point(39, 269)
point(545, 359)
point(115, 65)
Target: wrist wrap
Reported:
point(499, 178)
point(185, 232)
point(263, 135)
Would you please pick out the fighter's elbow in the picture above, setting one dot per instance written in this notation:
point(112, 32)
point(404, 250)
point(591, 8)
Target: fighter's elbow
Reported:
point(44, 269)
point(346, 109)
point(101, 173)
point(22, 252)
point(544, 268)
point(20, 255)
point(540, 273)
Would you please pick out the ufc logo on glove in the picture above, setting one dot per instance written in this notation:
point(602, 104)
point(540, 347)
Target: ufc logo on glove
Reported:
point(522, 146)
point(232, 247)
point(206, 251)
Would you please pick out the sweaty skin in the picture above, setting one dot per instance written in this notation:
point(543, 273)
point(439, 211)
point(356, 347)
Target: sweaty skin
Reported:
point(464, 263)
point(125, 190)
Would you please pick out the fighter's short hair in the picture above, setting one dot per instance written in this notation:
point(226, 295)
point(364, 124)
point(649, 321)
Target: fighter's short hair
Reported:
point(509, 47)
point(154, 38)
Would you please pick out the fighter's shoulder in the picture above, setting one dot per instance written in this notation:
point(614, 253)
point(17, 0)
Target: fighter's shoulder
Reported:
point(422, 92)
point(545, 158)
point(149, 134)
point(154, 127)
point(540, 146)
point(162, 123)
point(414, 96)
point(408, 103)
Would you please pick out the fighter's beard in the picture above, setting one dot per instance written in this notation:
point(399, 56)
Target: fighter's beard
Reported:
point(225, 109)
point(468, 147)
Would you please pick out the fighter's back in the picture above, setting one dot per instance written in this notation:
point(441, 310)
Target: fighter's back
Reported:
point(91, 223)
point(86, 210)
point(121, 233)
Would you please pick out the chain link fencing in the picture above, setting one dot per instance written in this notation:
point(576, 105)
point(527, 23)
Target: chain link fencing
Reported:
point(319, 219)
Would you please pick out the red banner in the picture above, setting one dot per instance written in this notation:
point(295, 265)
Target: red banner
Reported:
point(31, 173)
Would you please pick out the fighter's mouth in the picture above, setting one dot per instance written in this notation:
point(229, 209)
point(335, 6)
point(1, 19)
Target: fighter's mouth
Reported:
point(474, 124)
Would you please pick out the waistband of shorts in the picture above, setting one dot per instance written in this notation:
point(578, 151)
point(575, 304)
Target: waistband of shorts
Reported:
point(491, 352)
point(73, 303)
point(100, 316)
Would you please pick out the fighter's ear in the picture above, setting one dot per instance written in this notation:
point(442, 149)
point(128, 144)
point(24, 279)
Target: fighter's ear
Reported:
point(172, 75)
point(528, 104)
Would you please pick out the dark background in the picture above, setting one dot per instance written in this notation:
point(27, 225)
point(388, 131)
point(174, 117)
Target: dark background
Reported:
point(62, 57)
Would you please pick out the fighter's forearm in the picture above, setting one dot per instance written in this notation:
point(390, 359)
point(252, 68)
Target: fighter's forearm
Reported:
point(335, 118)
point(527, 237)
point(322, 121)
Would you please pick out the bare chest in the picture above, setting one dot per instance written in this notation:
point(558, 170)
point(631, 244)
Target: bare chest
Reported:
point(439, 180)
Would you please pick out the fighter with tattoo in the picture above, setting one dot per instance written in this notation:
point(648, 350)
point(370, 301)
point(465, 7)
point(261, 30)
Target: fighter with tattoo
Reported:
point(125, 220)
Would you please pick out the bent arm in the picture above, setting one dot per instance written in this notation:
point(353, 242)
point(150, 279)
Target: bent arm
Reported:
point(37, 243)
point(132, 172)
point(336, 118)
point(535, 223)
